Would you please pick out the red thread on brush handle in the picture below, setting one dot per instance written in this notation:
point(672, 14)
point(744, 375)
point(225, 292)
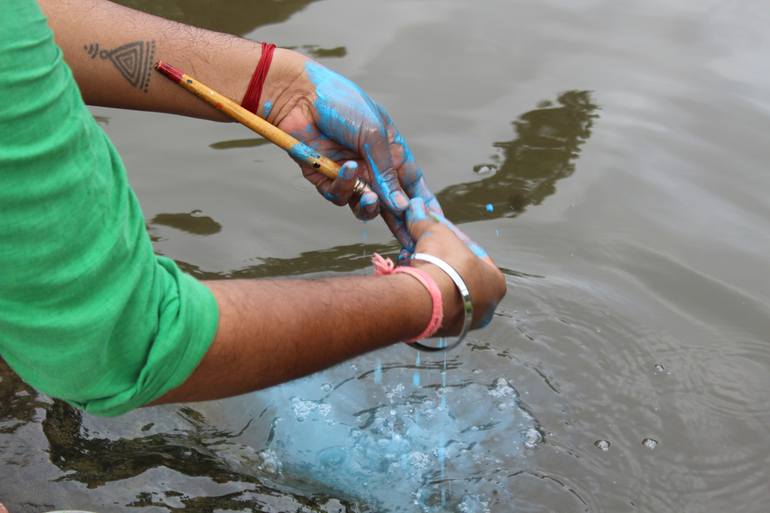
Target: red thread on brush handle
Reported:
point(170, 71)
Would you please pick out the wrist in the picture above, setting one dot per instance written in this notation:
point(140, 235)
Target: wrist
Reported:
point(282, 87)
point(450, 296)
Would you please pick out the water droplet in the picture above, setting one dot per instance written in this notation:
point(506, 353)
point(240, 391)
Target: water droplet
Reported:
point(649, 443)
point(659, 367)
point(602, 445)
point(490, 208)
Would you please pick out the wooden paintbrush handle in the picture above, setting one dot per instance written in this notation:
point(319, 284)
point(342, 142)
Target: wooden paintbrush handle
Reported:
point(272, 133)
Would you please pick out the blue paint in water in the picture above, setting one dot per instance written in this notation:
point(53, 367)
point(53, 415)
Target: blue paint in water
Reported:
point(302, 152)
point(267, 107)
point(490, 208)
point(338, 432)
point(416, 375)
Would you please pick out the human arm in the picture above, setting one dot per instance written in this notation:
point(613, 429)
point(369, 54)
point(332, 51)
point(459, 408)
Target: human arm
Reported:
point(274, 331)
point(111, 49)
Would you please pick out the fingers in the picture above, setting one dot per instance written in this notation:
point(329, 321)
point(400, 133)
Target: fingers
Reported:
point(340, 191)
point(398, 227)
point(418, 219)
point(410, 176)
point(384, 178)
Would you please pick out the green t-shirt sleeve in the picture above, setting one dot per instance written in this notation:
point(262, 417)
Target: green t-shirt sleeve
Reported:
point(88, 312)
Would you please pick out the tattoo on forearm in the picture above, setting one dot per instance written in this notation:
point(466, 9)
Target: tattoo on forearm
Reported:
point(134, 60)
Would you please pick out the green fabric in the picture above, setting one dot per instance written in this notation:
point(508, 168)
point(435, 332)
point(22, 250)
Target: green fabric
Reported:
point(88, 313)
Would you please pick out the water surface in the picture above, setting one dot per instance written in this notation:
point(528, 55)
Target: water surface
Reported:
point(622, 147)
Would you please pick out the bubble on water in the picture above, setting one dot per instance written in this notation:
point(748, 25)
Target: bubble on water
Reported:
point(603, 445)
point(659, 367)
point(269, 462)
point(532, 438)
point(304, 409)
point(649, 443)
point(484, 169)
point(327, 387)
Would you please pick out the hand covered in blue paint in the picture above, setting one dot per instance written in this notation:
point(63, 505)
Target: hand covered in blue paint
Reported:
point(338, 119)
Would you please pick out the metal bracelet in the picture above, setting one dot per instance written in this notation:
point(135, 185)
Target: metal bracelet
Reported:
point(464, 294)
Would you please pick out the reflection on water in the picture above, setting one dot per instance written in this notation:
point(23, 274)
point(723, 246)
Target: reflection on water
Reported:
point(526, 169)
point(190, 222)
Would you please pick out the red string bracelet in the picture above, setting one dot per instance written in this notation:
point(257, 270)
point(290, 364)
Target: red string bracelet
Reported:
point(385, 266)
point(251, 99)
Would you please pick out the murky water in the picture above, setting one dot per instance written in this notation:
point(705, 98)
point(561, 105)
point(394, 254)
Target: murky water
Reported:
point(622, 148)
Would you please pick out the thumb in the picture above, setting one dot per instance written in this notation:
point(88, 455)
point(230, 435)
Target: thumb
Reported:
point(418, 219)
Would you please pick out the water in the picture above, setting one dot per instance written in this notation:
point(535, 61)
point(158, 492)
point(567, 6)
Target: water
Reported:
point(622, 148)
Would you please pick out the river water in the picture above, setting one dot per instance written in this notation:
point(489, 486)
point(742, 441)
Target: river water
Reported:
point(623, 148)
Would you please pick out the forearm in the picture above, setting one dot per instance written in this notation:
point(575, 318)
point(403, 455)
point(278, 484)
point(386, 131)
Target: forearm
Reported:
point(272, 331)
point(111, 50)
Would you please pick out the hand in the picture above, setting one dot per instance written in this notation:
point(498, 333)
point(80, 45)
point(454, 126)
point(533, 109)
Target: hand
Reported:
point(335, 117)
point(437, 236)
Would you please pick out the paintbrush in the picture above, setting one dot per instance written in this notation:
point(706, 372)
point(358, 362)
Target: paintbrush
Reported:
point(272, 133)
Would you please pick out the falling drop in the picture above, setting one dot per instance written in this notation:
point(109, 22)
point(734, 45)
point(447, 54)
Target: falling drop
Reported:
point(649, 443)
point(602, 445)
point(490, 208)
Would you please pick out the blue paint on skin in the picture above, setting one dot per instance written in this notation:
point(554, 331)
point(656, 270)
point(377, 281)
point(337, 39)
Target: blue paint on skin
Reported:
point(267, 107)
point(368, 199)
point(302, 152)
point(341, 105)
point(343, 109)
point(347, 171)
point(490, 208)
point(477, 250)
point(416, 211)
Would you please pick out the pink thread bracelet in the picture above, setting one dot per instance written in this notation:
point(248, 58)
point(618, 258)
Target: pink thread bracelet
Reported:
point(385, 266)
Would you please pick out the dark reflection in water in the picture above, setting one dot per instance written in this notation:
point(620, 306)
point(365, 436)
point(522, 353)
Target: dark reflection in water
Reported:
point(523, 173)
point(191, 452)
point(526, 169)
point(233, 16)
point(18, 401)
point(239, 143)
point(190, 222)
point(97, 461)
point(337, 259)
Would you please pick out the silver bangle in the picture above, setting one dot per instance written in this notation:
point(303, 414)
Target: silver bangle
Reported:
point(464, 294)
